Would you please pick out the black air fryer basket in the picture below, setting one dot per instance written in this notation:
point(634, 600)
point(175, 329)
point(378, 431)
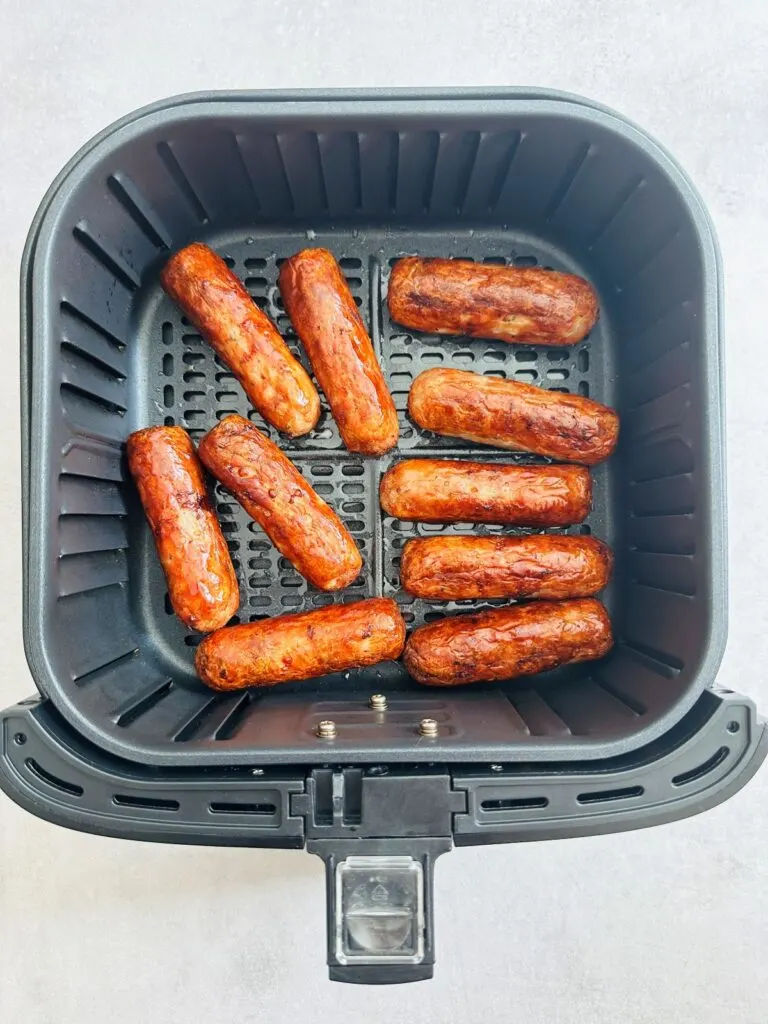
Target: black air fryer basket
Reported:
point(123, 739)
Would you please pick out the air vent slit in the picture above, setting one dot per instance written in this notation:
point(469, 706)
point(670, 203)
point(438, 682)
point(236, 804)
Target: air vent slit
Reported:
point(565, 185)
point(105, 403)
point(497, 187)
point(99, 364)
point(694, 774)
point(181, 181)
point(105, 669)
point(70, 788)
point(139, 210)
point(70, 310)
point(110, 261)
point(244, 172)
point(232, 807)
point(147, 803)
point(661, 662)
point(144, 704)
point(624, 197)
point(235, 719)
point(609, 795)
point(465, 177)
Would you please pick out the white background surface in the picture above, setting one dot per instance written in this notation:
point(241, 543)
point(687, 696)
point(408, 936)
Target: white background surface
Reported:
point(666, 924)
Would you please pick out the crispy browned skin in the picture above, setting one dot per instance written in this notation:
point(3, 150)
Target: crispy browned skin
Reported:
point(509, 414)
point(214, 299)
point(522, 304)
point(508, 642)
point(202, 584)
point(541, 566)
point(302, 646)
point(448, 491)
point(325, 317)
point(271, 490)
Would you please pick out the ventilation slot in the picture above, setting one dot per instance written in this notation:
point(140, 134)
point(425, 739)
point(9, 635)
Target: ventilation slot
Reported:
point(219, 807)
point(145, 802)
point(68, 310)
point(515, 804)
point(78, 393)
point(622, 200)
point(703, 769)
point(139, 210)
point(607, 795)
point(145, 704)
point(561, 192)
point(181, 181)
point(659, 661)
point(110, 261)
point(235, 720)
point(70, 788)
point(106, 669)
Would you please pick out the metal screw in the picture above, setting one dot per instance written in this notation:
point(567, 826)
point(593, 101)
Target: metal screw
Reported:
point(326, 730)
point(257, 771)
point(428, 727)
point(378, 702)
point(497, 768)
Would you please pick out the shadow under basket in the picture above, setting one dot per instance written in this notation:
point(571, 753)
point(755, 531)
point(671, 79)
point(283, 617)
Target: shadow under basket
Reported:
point(525, 179)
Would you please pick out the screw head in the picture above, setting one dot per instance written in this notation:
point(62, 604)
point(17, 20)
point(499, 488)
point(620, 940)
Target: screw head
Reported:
point(326, 730)
point(497, 768)
point(428, 727)
point(257, 771)
point(378, 702)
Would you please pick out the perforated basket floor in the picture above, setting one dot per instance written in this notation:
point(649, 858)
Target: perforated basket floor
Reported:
point(520, 181)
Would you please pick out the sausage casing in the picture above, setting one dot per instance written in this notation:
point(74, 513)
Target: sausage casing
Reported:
point(538, 566)
point(508, 642)
point(202, 584)
point(323, 312)
point(510, 414)
point(449, 491)
point(293, 647)
point(521, 304)
point(214, 299)
point(274, 493)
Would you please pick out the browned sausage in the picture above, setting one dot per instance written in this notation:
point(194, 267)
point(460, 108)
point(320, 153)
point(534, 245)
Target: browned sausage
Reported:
point(541, 566)
point(448, 491)
point(509, 414)
point(216, 302)
point(271, 490)
point(508, 642)
point(325, 317)
point(522, 304)
point(292, 647)
point(202, 584)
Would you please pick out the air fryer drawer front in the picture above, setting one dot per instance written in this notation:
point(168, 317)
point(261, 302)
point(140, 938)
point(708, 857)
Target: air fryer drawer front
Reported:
point(516, 178)
point(379, 828)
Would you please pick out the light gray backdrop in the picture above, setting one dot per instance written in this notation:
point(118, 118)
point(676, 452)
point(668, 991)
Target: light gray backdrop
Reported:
point(666, 924)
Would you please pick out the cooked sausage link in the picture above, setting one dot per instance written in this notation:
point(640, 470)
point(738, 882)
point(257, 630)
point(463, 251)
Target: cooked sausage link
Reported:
point(539, 566)
point(216, 302)
point(448, 491)
point(510, 414)
point(274, 493)
point(520, 304)
point(323, 312)
point(293, 647)
point(508, 642)
point(202, 584)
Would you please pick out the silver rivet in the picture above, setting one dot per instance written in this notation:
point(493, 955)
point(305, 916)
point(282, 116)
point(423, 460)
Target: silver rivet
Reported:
point(378, 702)
point(428, 727)
point(497, 768)
point(326, 730)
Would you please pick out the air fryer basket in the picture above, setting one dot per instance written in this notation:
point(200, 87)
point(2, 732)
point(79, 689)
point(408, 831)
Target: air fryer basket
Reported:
point(524, 178)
